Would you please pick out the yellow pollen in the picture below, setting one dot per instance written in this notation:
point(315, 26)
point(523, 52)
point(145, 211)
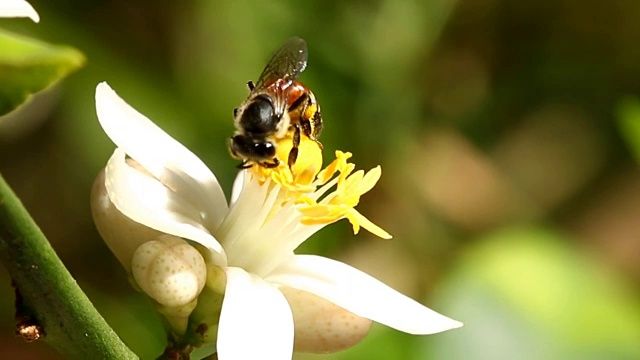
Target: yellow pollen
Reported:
point(310, 111)
point(320, 207)
point(299, 179)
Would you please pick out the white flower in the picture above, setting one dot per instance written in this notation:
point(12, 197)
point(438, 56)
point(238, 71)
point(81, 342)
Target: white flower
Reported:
point(166, 188)
point(18, 8)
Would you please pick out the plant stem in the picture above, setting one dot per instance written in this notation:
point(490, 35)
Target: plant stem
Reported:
point(57, 304)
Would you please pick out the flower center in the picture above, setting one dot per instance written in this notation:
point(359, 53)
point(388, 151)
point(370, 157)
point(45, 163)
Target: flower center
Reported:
point(308, 187)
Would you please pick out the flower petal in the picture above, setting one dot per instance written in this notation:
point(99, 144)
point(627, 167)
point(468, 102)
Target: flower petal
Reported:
point(18, 8)
point(256, 321)
point(360, 294)
point(121, 234)
point(161, 155)
point(147, 201)
point(238, 184)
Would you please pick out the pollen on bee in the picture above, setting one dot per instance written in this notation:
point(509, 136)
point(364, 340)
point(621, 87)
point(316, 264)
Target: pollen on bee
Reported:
point(310, 111)
point(304, 171)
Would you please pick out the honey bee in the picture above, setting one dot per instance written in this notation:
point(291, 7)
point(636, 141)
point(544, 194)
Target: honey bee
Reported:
point(277, 105)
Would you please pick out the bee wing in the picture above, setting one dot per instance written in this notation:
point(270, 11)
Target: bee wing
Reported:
point(286, 63)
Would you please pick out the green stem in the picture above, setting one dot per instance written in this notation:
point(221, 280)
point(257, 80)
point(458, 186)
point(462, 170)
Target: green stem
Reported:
point(71, 324)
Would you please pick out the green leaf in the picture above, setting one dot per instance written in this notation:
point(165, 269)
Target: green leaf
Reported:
point(526, 293)
point(629, 121)
point(28, 66)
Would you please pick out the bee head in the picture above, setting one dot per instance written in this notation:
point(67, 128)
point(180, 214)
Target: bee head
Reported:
point(247, 148)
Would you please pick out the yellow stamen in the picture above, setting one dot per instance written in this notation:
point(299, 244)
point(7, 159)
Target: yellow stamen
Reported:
point(356, 218)
point(341, 203)
point(303, 179)
point(297, 180)
point(339, 164)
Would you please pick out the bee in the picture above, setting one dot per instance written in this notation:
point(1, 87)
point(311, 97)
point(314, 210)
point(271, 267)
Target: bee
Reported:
point(277, 105)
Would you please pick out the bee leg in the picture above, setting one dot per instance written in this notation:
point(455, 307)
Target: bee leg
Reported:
point(306, 123)
point(293, 154)
point(251, 85)
point(244, 165)
point(235, 112)
point(316, 120)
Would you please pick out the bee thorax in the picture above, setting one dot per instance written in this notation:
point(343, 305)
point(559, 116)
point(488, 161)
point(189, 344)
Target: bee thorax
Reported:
point(258, 116)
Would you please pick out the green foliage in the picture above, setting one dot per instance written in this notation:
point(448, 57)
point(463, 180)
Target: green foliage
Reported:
point(525, 293)
point(629, 121)
point(28, 66)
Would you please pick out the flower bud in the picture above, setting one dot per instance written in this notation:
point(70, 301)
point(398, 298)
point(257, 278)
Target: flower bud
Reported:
point(321, 326)
point(121, 234)
point(169, 270)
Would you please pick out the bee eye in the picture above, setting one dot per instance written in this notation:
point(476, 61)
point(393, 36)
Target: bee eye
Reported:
point(264, 149)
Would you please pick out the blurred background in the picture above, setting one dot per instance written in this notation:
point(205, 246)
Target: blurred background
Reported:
point(504, 130)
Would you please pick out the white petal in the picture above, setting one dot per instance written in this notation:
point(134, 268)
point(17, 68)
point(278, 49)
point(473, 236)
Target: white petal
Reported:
point(147, 201)
point(238, 184)
point(260, 245)
point(256, 321)
point(246, 206)
point(18, 8)
point(161, 155)
point(359, 293)
point(121, 234)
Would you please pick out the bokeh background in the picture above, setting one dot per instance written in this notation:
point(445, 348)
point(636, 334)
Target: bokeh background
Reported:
point(504, 129)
